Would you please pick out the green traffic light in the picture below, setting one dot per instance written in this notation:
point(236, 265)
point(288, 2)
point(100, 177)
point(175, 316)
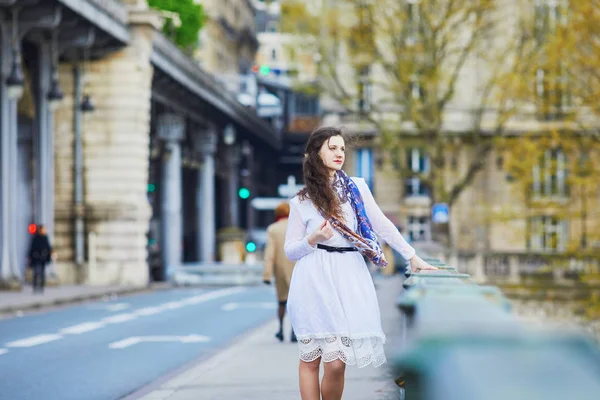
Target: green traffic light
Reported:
point(151, 187)
point(244, 193)
point(251, 247)
point(265, 70)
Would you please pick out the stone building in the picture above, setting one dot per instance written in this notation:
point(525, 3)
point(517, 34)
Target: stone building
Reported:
point(112, 137)
point(228, 42)
point(497, 228)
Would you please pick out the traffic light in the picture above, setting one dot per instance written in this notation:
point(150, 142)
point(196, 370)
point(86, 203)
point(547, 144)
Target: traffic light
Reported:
point(265, 70)
point(244, 193)
point(151, 187)
point(250, 247)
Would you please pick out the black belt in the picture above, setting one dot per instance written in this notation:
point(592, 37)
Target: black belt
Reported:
point(336, 249)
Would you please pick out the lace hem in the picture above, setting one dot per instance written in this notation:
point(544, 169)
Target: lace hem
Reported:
point(360, 350)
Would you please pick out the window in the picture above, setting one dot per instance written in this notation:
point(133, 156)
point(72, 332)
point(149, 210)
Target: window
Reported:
point(365, 91)
point(417, 162)
point(364, 165)
point(306, 105)
point(412, 22)
point(416, 89)
point(549, 176)
point(551, 82)
point(419, 229)
point(273, 55)
point(414, 187)
point(547, 234)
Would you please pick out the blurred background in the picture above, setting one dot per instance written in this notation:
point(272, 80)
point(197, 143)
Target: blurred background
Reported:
point(153, 139)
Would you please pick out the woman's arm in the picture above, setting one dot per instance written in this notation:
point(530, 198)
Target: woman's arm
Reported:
point(382, 225)
point(296, 239)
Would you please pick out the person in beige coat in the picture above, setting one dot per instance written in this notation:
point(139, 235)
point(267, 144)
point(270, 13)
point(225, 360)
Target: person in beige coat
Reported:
point(277, 264)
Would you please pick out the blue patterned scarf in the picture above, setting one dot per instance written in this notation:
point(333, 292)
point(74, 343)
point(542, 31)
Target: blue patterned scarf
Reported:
point(364, 238)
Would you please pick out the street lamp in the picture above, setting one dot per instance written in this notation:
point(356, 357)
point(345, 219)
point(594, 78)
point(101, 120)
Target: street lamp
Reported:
point(55, 95)
point(229, 135)
point(87, 105)
point(15, 82)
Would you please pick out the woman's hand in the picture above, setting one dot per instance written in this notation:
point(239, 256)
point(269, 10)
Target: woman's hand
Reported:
point(417, 264)
point(321, 234)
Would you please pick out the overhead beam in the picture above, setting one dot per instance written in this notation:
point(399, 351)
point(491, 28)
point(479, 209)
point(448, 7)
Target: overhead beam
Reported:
point(108, 15)
point(39, 18)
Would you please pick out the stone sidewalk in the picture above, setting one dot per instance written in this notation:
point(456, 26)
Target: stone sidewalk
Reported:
point(259, 367)
point(25, 300)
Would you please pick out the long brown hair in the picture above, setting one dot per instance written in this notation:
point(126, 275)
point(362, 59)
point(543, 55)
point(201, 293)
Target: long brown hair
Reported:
point(316, 174)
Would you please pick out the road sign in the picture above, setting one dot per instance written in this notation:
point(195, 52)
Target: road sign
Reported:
point(440, 213)
point(121, 344)
point(266, 203)
point(290, 189)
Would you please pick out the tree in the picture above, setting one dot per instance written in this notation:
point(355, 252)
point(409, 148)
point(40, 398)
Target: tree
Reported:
point(556, 166)
point(191, 16)
point(403, 66)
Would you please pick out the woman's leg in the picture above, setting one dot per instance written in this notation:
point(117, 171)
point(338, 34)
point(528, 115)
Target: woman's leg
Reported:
point(309, 379)
point(280, 315)
point(332, 385)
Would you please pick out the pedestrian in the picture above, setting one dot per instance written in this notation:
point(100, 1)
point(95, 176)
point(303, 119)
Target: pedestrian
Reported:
point(277, 264)
point(40, 253)
point(332, 302)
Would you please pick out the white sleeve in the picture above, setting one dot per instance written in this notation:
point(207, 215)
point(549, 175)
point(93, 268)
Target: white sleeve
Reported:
point(382, 225)
point(296, 239)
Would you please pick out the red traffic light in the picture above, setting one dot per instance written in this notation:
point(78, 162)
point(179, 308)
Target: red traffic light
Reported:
point(32, 228)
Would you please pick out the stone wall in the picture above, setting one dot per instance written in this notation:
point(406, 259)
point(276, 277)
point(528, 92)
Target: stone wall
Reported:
point(115, 163)
point(64, 177)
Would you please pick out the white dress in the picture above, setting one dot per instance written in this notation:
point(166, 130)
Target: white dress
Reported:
point(332, 301)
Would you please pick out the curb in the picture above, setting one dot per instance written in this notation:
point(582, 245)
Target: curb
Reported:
point(79, 298)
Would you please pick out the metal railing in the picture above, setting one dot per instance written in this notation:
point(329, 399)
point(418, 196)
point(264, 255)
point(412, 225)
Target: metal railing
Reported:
point(461, 341)
point(216, 273)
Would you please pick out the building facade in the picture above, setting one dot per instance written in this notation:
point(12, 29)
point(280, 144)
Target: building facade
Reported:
point(118, 142)
point(499, 226)
point(228, 41)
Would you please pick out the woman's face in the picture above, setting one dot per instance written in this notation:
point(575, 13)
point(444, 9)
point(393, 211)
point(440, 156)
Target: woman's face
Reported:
point(333, 153)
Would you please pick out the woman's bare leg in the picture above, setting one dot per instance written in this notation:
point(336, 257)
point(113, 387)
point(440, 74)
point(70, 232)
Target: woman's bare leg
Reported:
point(309, 379)
point(332, 385)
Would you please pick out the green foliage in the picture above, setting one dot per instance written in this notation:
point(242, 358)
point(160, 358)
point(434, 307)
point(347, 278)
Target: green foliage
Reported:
point(192, 19)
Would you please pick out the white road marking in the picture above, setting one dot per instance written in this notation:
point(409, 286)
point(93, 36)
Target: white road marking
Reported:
point(3, 351)
point(82, 328)
point(34, 340)
point(121, 344)
point(124, 317)
point(148, 311)
point(173, 305)
point(213, 295)
point(117, 319)
point(235, 306)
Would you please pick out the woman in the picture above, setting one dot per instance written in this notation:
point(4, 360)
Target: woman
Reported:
point(276, 263)
point(332, 301)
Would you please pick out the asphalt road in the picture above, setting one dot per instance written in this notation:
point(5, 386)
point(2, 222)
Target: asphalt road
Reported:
point(108, 349)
